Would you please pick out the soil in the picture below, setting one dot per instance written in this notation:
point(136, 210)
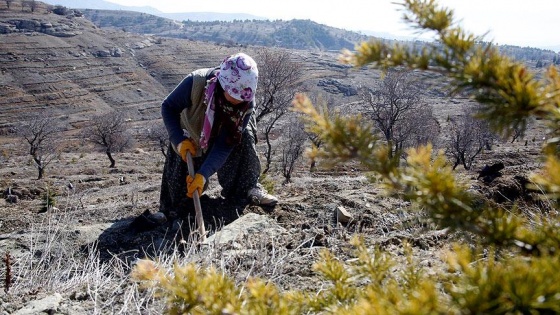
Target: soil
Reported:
point(103, 205)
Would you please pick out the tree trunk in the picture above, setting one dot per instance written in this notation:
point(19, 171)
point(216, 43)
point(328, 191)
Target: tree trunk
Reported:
point(41, 172)
point(163, 147)
point(390, 151)
point(268, 153)
point(40, 166)
point(111, 159)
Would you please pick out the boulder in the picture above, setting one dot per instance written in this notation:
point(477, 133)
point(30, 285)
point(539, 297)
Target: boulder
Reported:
point(116, 52)
point(47, 305)
point(6, 28)
point(251, 226)
point(343, 216)
point(103, 53)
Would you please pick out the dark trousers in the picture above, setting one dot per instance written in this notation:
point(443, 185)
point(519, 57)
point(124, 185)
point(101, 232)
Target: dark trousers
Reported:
point(237, 176)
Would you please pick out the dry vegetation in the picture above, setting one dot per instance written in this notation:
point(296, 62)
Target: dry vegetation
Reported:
point(80, 251)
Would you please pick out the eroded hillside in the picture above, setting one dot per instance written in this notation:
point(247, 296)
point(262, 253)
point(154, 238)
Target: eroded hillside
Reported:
point(67, 65)
point(75, 74)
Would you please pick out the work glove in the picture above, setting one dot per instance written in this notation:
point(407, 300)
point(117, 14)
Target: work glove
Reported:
point(185, 146)
point(195, 183)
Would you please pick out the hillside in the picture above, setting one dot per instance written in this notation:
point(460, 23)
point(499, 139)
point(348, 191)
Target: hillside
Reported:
point(66, 64)
point(293, 34)
point(69, 66)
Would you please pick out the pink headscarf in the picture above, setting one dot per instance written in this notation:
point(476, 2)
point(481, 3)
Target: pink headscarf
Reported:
point(238, 76)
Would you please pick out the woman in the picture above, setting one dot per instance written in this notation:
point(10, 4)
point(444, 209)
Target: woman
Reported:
point(209, 114)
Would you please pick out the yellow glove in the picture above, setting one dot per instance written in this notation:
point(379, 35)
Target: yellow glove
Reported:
point(185, 146)
point(195, 184)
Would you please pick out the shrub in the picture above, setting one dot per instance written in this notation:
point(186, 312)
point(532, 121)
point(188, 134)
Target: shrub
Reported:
point(60, 10)
point(49, 200)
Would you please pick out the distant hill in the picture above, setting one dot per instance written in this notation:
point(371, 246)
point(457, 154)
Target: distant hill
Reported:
point(245, 29)
point(293, 34)
point(101, 5)
point(194, 16)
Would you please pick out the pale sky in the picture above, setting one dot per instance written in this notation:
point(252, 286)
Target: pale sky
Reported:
point(533, 23)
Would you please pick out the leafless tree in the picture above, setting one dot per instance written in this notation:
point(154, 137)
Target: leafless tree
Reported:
point(468, 137)
point(279, 80)
point(323, 104)
point(416, 129)
point(399, 111)
point(8, 3)
point(518, 132)
point(41, 132)
point(292, 146)
point(109, 133)
point(32, 4)
point(158, 134)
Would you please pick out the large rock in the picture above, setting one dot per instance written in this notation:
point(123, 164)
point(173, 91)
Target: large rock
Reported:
point(47, 305)
point(6, 28)
point(250, 227)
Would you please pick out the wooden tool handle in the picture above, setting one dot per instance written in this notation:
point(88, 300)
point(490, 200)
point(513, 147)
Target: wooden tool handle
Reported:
point(196, 198)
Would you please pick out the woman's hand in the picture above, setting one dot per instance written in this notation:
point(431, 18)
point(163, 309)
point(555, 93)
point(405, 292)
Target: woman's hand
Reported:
point(185, 146)
point(195, 183)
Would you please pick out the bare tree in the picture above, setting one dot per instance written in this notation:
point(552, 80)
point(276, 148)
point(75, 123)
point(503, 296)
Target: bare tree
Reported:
point(29, 3)
point(519, 131)
point(415, 129)
point(109, 132)
point(468, 137)
point(158, 133)
point(8, 3)
point(41, 133)
point(292, 147)
point(399, 112)
point(324, 104)
point(33, 5)
point(279, 77)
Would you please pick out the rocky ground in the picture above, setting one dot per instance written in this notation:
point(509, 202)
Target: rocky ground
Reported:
point(98, 209)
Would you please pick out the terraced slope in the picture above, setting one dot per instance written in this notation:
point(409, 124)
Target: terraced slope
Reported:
point(73, 74)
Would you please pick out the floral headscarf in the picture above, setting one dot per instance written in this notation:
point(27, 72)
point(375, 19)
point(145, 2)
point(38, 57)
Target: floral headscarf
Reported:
point(238, 76)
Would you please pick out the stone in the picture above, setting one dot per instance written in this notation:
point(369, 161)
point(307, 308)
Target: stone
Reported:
point(246, 227)
point(47, 305)
point(342, 215)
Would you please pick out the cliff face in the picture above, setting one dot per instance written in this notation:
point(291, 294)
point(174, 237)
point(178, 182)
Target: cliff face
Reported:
point(65, 65)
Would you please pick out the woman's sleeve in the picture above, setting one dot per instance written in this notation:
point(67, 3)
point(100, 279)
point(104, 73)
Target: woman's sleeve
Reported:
point(173, 105)
point(219, 153)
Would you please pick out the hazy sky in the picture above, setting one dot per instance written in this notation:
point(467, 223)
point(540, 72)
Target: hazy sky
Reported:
point(517, 22)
